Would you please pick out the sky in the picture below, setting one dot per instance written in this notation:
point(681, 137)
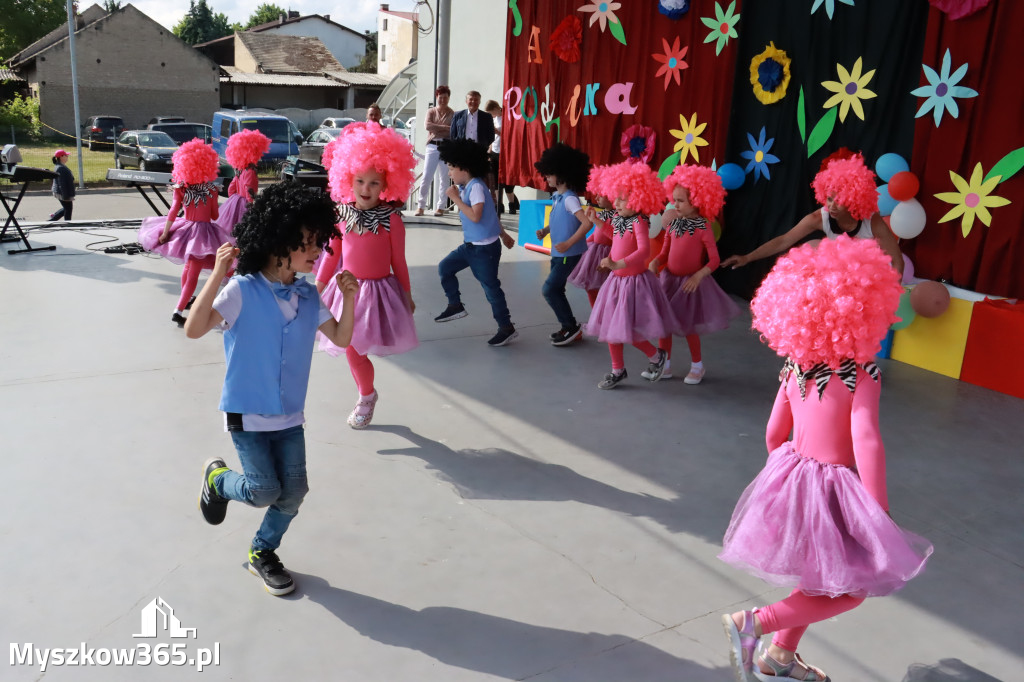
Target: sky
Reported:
point(359, 15)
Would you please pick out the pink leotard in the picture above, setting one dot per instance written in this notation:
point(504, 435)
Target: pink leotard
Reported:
point(602, 233)
point(246, 180)
point(203, 212)
point(633, 246)
point(684, 255)
point(369, 255)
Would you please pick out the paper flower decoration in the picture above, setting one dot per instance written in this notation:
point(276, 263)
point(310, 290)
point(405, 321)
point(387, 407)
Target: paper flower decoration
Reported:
point(604, 12)
point(674, 9)
point(671, 61)
point(723, 26)
point(942, 90)
point(565, 39)
point(637, 143)
point(972, 199)
point(830, 6)
point(689, 138)
point(759, 156)
point(850, 90)
point(769, 74)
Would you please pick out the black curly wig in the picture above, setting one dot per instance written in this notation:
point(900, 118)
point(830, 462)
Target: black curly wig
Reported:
point(468, 155)
point(566, 163)
point(273, 224)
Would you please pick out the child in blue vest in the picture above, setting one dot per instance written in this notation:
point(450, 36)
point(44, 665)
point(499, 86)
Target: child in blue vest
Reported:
point(480, 251)
point(566, 170)
point(270, 319)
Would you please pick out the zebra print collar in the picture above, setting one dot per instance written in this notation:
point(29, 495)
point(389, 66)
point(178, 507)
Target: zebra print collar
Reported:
point(605, 214)
point(368, 220)
point(194, 195)
point(822, 373)
point(684, 226)
point(621, 225)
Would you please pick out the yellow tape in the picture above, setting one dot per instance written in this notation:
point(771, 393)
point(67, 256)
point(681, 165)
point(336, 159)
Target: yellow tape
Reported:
point(59, 132)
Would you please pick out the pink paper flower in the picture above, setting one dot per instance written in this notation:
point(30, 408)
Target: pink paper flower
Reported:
point(637, 143)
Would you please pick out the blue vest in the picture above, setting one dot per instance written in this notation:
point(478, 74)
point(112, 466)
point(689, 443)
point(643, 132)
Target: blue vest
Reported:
point(564, 225)
point(268, 359)
point(489, 225)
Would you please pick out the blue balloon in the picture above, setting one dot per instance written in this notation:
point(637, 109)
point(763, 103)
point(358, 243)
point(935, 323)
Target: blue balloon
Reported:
point(886, 203)
point(732, 175)
point(889, 165)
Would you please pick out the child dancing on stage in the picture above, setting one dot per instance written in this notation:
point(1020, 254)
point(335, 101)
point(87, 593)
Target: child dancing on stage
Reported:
point(245, 149)
point(588, 274)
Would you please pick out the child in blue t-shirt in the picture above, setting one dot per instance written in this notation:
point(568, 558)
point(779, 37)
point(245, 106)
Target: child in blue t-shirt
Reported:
point(480, 251)
point(270, 319)
point(566, 170)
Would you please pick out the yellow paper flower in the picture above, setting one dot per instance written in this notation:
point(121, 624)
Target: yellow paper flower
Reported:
point(769, 74)
point(850, 90)
point(689, 138)
point(972, 199)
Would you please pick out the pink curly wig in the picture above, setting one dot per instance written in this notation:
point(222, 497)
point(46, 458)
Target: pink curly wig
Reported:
point(828, 303)
point(195, 162)
point(637, 182)
point(246, 148)
point(705, 187)
point(594, 181)
point(363, 146)
point(851, 183)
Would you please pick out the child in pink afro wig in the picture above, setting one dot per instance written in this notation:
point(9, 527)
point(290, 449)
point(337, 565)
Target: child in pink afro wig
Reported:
point(690, 255)
point(369, 166)
point(588, 274)
point(831, 538)
point(245, 149)
point(631, 306)
point(194, 238)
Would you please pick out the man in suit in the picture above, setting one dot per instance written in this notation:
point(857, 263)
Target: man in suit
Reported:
point(473, 124)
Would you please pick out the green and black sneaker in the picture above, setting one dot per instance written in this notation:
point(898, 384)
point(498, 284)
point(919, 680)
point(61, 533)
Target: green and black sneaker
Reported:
point(213, 506)
point(265, 564)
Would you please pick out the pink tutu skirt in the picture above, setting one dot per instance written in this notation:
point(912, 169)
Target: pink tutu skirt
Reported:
point(586, 274)
point(813, 526)
point(708, 309)
point(188, 239)
point(631, 308)
point(383, 325)
point(231, 212)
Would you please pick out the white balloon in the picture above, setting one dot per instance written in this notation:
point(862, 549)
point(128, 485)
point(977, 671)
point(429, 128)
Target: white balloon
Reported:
point(908, 219)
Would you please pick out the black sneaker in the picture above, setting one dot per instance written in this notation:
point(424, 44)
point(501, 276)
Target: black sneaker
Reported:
point(611, 380)
point(656, 367)
point(178, 319)
point(453, 312)
point(265, 564)
point(554, 336)
point(567, 336)
point(188, 306)
point(504, 336)
point(211, 504)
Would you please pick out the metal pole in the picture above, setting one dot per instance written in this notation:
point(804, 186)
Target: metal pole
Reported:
point(444, 28)
point(74, 93)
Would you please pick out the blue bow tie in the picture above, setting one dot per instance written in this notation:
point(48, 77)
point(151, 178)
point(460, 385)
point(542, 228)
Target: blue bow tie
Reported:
point(285, 291)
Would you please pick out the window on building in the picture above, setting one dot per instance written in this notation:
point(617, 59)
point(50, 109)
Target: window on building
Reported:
point(383, 53)
point(385, 27)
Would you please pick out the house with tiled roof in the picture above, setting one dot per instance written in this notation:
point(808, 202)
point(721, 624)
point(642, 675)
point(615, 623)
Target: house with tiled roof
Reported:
point(347, 45)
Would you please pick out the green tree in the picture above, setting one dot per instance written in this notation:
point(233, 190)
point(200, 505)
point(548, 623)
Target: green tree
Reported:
point(201, 24)
point(26, 21)
point(369, 62)
point(111, 5)
point(265, 13)
point(23, 114)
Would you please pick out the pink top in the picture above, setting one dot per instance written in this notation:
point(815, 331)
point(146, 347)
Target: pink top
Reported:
point(602, 233)
point(197, 208)
point(683, 251)
point(840, 429)
point(368, 255)
point(247, 179)
point(633, 246)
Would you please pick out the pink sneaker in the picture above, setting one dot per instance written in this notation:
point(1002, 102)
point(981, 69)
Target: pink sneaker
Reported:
point(362, 415)
point(694, 377)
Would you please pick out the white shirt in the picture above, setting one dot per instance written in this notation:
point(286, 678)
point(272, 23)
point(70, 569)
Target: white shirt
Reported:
point(496, 145)
point(471, 125)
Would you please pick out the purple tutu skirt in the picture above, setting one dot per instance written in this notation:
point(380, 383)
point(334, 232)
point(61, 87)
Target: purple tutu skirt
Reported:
point(813, 526)
point(383, 325)
point(631, 308)
point(188, 239)
point(231, 212)
point(706, 310)
point(586, 274)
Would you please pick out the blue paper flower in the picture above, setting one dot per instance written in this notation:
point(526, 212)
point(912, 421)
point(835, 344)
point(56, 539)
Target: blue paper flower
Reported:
point(942, 90)
point(830, 6)
point(759, 156)
point(674, 9)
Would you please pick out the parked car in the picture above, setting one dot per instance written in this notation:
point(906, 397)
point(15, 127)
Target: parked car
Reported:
point(285, 137)
point(185, 131)
point(147, 150)
point(165, 119)
point(101, 130)
point(312, 150)
point(336, 122)
point(399, 126)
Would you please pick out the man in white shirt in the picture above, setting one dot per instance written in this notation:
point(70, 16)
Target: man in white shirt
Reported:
point(473, 124)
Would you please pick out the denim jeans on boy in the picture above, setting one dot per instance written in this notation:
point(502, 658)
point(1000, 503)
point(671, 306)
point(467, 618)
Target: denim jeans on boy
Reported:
point(554, 289)
point(483, 263)
point(274, 466)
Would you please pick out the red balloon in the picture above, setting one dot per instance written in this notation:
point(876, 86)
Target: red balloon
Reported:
point(929, 299)
point(903, 186)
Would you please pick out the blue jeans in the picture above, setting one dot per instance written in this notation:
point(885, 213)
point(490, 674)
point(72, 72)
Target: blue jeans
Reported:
point(483, 263)
point(274, 463)
point(554, 288)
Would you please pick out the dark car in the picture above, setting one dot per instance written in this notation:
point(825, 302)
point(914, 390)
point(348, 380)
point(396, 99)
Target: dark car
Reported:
point(183, 132)
point(312, 149)
point(145, 149)
point(101, 130)
point(165, 119)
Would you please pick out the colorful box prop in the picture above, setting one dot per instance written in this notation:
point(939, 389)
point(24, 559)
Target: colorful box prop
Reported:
point(936, 344)
point(886, 351)
point(994, 356)
point(535, 214)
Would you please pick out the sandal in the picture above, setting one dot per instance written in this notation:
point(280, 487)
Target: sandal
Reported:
point(784, 673)
point(362, 415)
point(744, 643)
point(419, 211)
point(439, 212)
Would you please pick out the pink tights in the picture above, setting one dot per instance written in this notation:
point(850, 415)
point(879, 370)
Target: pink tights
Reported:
point(190, 277)
point(789, 618)
point(692, 340)
point(615, 349)
point(362, 370)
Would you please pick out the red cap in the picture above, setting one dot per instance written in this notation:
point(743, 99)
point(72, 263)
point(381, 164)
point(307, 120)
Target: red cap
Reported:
point(60, 152)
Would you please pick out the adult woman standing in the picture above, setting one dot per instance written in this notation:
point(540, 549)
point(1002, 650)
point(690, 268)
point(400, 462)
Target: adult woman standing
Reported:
point(438, 124)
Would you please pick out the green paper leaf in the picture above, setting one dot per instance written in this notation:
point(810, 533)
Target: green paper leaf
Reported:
point(669, 165)
point(801, 116)
point(822, 131)
point(616, 29)
point(1008, 166)
point(517, 29)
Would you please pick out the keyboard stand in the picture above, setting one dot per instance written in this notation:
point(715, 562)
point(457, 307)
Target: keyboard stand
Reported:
point(11, 209)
